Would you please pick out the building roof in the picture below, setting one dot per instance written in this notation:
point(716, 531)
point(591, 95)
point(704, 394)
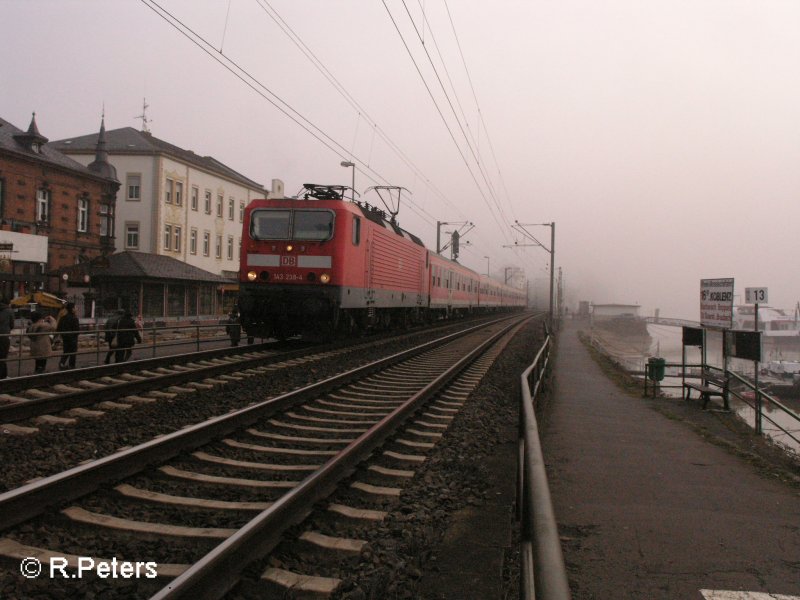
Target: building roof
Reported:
point(12, 141)
point(129, 141)
point(142, 265)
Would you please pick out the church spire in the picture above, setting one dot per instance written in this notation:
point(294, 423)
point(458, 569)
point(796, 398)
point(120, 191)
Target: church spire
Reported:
point(101, 164)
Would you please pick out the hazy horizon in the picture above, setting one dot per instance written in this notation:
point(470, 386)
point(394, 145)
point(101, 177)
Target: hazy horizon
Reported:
point(662, 138)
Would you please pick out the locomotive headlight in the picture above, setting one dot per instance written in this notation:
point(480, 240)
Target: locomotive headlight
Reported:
point(324, 278)
point(289, 247)
point(252, 276)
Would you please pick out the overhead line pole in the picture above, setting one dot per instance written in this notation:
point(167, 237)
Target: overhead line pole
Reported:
point(552, 250)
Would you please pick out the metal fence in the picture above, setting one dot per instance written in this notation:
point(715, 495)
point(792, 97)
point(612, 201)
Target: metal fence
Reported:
point(735, 384)
point(542, 571)
point(93, 349)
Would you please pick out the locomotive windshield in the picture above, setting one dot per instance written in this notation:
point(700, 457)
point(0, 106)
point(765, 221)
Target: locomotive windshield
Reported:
point(281, 224)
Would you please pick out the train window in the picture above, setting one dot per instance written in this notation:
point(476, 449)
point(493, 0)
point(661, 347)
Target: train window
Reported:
point(356, 231)
point(270, 224)
point(313, 225)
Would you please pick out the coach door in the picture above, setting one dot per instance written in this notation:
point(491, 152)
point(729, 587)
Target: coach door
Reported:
point(369, 276)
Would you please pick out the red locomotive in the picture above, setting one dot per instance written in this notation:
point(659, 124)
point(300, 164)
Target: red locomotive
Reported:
point(321, 264)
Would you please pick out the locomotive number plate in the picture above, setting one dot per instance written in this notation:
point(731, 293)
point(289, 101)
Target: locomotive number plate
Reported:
point(288, 261)
point(287, 277)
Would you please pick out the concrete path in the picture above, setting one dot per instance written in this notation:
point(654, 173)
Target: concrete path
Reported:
point(648, 509)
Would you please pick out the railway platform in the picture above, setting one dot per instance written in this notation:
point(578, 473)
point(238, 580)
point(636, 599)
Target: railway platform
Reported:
point(649, 508)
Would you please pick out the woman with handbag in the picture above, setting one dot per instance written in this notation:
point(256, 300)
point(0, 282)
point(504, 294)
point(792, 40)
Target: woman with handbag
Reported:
point(41, 346)
point(111, 334)
point(127, 336)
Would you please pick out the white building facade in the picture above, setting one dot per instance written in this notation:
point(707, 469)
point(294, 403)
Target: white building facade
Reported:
point(173, 202)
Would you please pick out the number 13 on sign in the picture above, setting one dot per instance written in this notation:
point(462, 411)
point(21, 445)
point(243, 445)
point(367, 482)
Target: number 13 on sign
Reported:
point(756, 295)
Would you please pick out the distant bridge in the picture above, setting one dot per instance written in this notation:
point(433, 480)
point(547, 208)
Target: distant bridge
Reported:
point(672, 322)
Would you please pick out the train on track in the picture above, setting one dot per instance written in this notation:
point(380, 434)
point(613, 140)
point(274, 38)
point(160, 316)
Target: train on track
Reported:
point(320, 264)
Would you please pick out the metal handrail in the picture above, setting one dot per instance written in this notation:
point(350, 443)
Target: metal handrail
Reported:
point(543, 575)
point(730, 375)
point(775, 402)
point(94, 343)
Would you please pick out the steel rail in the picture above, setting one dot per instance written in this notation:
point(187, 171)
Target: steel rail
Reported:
point(31, 499)
point(219, 570)
point(543, 575)
point(19, 411)
point(19, 384)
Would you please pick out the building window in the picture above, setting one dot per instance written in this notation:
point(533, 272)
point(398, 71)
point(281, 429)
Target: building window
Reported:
point(42, 205)
point(177, 237)
point(134, 186)
point(178, 193)
point(206, 243)
point(208, 202)
point(195, 197)
point(219, 206)
point(230, 247)
point(167, 237)
point(106, 226)
point(168, 191)
point(131, 235)
point(193, 241)
point(241, 212)
point(83, 215)
point(218, 247)
point(231, 208)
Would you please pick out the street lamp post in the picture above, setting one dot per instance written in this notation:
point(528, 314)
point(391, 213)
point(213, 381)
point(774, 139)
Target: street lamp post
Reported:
point(488, 271)
point(352, 165)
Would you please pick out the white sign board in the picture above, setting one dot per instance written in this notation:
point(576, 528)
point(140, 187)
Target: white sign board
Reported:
point(716, 303)
point(756, 295)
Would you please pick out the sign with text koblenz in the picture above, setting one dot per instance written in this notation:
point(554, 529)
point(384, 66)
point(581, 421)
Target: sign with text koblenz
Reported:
point(716, 303)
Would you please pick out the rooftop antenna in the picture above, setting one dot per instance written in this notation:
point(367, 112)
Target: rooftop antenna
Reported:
point(143, 116)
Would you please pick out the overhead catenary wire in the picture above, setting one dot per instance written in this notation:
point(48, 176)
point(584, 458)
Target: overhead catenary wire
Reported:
point(472, 142)
point(284, 107)
point(289, 111)
point(480, 112)
point(297, 40)
point(441, 114)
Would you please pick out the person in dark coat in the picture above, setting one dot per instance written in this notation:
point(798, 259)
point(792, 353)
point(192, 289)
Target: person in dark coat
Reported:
point(6, 325)
point(234, 328)
point(111, 334)
point(127, 336)
point(68, 328)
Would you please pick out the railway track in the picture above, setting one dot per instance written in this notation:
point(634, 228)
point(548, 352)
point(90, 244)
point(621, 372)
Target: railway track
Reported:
point(39, 398)
point(200, 487)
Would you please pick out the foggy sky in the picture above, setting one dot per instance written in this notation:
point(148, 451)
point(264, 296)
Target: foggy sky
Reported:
point(662, 137)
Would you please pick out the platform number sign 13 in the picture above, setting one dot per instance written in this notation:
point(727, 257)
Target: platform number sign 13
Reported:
point(756, 295)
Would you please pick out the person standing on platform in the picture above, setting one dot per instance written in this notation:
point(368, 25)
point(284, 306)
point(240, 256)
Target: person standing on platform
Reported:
point(68, 327)
point(6, 325)
point(234, 328)
point(127, 335)
point(111, 334)
point(41, 346)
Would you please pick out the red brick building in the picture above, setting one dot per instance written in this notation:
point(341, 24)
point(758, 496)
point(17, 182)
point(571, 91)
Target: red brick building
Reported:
point(54, 212)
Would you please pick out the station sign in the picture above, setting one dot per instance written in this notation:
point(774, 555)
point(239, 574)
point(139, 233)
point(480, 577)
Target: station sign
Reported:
point(756, 295)
point(716, 303)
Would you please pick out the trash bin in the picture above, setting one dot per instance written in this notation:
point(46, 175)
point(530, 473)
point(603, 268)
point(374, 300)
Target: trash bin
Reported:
point(655, 368)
